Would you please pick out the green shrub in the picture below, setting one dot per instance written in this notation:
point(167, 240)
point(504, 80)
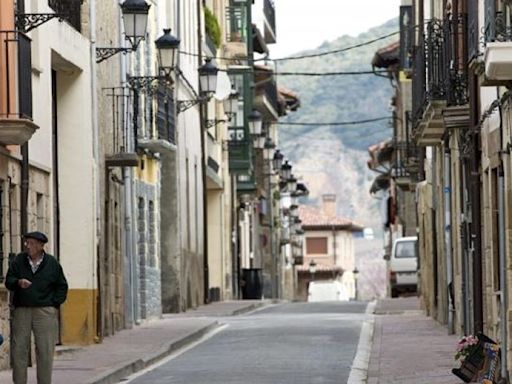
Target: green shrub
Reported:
point(212, 27)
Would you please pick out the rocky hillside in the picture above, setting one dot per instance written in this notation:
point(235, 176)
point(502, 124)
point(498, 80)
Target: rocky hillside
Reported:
point(332, 159)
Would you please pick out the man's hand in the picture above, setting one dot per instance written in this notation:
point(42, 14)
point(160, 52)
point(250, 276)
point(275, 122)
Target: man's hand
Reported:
point(24, 283)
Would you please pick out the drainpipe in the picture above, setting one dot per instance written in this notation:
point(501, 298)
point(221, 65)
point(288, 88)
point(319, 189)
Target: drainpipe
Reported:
point(202, 120)
point(95, 131)
point(447, 236)
point(503, 256)
point(503, 273)
point(130, 273)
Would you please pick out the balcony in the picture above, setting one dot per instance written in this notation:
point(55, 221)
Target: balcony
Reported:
point(160, 135)
point(266, 93)
point(405, 164)
point(16, 125)
point(236, 32)
point(116, 135)
point(214, 150)
point(69, 8)
point(498, 46)
point(440, 80)
point(270, 21)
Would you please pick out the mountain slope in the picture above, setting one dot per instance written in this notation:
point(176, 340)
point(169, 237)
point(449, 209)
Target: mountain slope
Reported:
point(333, 158)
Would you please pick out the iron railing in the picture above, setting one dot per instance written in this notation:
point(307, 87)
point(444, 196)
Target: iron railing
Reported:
point(270, 15)
point(418, 82)
point(497, 26)
point(456, 66)
point(70, 9)
point(236, 24)
point(15, 75)
point(121, 120)
point(440, 69)
point(436, 58)
point(165, 116)
point(473, 40)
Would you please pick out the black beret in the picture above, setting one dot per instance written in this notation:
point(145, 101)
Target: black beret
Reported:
point(37, 235)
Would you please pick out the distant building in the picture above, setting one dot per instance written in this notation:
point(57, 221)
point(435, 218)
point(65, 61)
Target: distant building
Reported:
point(328, 246)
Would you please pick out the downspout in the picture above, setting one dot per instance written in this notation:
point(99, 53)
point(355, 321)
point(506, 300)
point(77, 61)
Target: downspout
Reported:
point(202, 119)
point(130, 277)
point(447, 235)
point(95, 132)
point(503, 256)
point(503, 273)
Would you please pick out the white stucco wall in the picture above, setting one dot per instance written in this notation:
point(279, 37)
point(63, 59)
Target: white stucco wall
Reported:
point(58, 46)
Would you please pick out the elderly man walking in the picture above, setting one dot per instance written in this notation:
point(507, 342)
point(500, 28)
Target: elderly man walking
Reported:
point(39, 288)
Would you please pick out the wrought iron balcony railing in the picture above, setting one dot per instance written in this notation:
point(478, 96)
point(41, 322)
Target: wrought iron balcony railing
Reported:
point(165, 116)
point(440, 70)
point(70, 9)
point(456, 65)
point(236, 24)
point(498, 24)
point(473, 40)
point(270, 17)
point(15, 76)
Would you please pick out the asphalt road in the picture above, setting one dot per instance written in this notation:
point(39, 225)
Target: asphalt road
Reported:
point(299, 343)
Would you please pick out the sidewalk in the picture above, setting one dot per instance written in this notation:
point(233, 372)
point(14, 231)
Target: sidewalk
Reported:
point(408, 347)
point(129, 351)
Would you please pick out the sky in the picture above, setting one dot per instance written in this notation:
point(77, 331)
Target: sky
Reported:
point(306, 24)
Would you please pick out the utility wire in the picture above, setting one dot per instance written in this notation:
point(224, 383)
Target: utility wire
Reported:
point(337, 123)
point(349, 73)
point(302, 56)
point(338, 50)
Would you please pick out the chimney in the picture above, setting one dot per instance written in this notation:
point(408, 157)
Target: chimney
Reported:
point(329, 204)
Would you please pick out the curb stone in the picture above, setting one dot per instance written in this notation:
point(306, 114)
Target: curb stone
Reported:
point(114, 375)
point(359, 370)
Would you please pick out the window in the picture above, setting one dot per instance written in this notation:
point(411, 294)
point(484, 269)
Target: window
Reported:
point(316, 245)
point(405, 249)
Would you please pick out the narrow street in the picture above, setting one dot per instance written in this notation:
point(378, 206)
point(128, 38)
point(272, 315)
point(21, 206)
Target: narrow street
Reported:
point(300, 343)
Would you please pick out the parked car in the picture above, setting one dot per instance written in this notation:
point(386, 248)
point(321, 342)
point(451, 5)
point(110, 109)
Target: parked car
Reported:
point(403, 266)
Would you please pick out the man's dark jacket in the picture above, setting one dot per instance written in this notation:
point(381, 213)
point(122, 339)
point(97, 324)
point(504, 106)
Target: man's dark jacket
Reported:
point(49, 286)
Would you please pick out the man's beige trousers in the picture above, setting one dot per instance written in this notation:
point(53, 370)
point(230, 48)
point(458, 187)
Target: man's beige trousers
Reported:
point(43, 322)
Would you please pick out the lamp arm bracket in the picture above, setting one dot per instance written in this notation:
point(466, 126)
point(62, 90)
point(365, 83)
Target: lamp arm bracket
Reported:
point(28, 21)
point(146, 83)
point(103, 53)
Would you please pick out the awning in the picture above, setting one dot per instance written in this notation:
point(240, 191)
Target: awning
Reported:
point(387, 56)
point(381, 182)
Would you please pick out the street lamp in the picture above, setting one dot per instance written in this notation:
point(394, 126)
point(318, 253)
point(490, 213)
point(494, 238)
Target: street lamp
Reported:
point(208, 77)
point(207, 83)
point(231, 103)
point(356, 276)
point(255, 122)
point(259, 142)
point(268, 149)
point(291, 184)
point(277, 161)
point(135, 20)
point(286, 171)
point(312, 269)
point(167, 47)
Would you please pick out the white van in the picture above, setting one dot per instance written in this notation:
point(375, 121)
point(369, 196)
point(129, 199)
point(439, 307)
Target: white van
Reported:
point(403, 266)
point(326, 291)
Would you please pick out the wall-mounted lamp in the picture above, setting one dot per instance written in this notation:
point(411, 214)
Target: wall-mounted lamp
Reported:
point(268, 149)
point(208, 85)
point(286, 171)
point(255, 122)
point(167, 47)
point(135, 20)
point(277, 161)
point(231, 103)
